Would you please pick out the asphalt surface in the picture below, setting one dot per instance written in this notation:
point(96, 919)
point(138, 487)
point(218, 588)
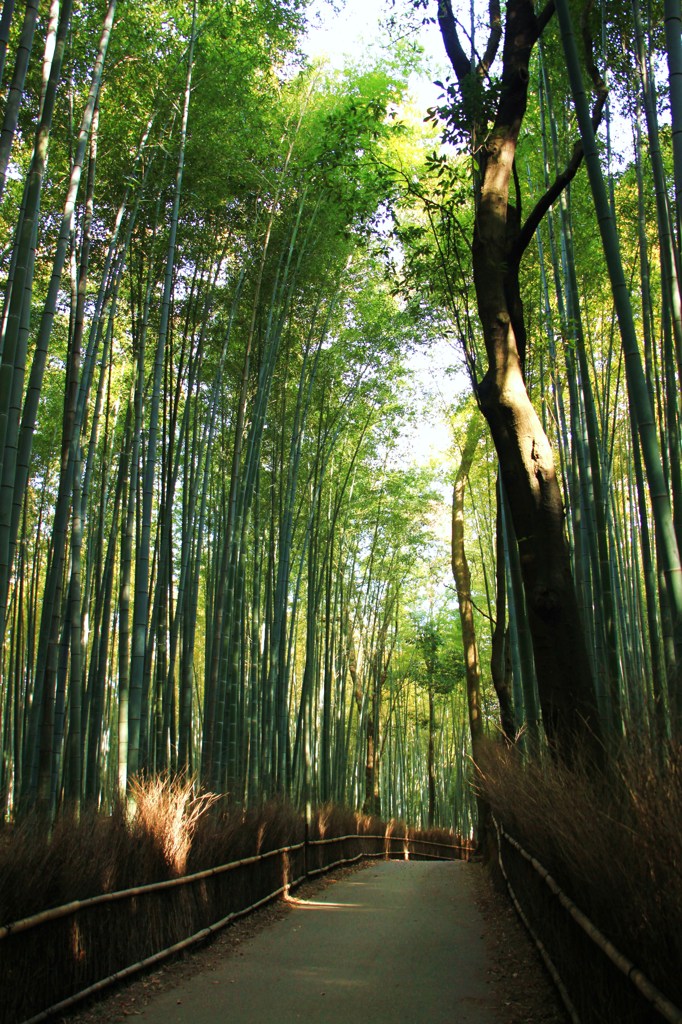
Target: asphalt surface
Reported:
point(399, 942)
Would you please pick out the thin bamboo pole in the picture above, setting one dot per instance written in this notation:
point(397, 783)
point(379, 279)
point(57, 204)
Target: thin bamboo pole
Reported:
point(634, 975)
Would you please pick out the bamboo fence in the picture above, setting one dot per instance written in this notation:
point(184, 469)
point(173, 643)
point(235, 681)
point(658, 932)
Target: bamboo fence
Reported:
point(633, 997)
point(54, 959)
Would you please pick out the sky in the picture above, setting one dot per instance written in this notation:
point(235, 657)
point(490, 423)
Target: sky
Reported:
point(343, 28)
point(335, 37)
point(340, 27)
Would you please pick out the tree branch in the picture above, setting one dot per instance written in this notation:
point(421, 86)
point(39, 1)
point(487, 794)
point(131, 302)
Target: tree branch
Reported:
point(545, 16)
point(590, 63)
point(493, 39)
point(569, 172)
point(448, 29)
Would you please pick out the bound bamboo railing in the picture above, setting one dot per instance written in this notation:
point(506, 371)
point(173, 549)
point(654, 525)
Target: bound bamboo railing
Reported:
point(591, 994)
point(61, 956)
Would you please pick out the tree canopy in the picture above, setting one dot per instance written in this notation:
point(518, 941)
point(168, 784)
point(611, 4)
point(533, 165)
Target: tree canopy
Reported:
point(218, 259)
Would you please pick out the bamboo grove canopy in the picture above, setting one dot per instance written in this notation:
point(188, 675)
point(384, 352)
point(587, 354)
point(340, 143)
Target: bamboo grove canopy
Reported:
point(216, 261)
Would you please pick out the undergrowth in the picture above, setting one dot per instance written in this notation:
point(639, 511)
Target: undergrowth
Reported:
point(611, 838)
point(164, 832)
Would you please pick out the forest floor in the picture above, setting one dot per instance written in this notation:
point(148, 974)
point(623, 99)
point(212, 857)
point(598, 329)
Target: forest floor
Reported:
point(496, 962)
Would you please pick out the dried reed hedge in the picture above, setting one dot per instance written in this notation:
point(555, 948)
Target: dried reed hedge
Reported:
point(171, 834)
point(612, 839)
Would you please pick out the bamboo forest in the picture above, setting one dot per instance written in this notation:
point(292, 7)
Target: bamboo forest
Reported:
point(341, 482)
point(224, 549)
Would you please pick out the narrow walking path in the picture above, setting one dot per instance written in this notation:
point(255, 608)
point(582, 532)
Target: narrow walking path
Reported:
point(396, 942)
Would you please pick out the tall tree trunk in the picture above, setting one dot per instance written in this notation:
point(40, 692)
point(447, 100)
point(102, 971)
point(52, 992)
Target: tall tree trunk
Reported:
point(462, 577)
point(527, 467)
point(499, 649)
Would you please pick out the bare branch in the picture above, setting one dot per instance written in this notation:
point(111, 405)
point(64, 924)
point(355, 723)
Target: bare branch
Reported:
point(493, 39)
point(569, 172)
point(448, 29)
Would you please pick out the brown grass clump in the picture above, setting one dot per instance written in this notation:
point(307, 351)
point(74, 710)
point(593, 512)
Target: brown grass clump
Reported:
point(147, 842)
point(75, 861)
point(229, 833)
point(332, 820)
point(166, 830)
point(166, 814)
point(611, 838)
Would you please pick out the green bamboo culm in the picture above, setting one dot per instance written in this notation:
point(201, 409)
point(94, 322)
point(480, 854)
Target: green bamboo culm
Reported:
point(673, 41)
point(141, 608)
point(41, 775)
point(636, 384)
point(16, 89)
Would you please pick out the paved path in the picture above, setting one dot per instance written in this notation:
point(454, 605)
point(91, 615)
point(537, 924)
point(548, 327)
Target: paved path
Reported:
point(397, 943)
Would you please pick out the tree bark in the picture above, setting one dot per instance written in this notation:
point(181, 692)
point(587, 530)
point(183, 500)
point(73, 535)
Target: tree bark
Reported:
point(527, 467)
point(462, 577)
point(500, 664)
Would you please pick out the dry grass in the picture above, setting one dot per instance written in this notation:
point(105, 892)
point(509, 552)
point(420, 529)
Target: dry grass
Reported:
point(77, 860)
point(166, 814)
point(611, 838)
point(147, 842)
point(166, 831)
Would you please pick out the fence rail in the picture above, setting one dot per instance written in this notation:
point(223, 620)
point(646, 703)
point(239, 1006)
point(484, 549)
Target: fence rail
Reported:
point(641, 995)
point(54, 913)
point(94, 943)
